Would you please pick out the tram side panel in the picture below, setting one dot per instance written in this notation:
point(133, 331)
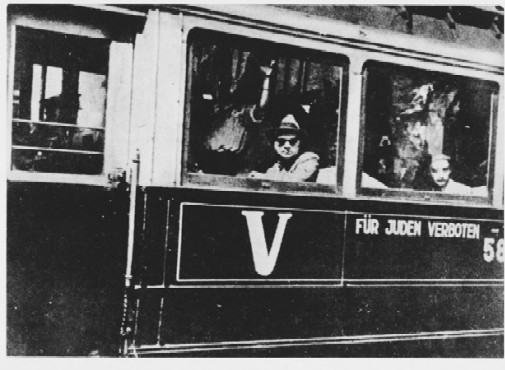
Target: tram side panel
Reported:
point(449, 268)
point(226, 280)
point(212, 280)
point(65, 258)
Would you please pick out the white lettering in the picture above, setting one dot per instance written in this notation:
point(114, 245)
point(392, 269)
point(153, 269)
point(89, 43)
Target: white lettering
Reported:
point(499, 250)
point(264, 261)
point(431, 228)
point(488, 249)
point(367, 225)
point(404, 228)
point(454, 230)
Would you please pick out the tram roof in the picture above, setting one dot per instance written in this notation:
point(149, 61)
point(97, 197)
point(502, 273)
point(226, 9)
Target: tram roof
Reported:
point(480, 16)
point(449, 29)
point(458, 12)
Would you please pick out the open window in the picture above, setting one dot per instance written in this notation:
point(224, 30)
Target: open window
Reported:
point(241, 94)
point(59, 97)
point(427, 134)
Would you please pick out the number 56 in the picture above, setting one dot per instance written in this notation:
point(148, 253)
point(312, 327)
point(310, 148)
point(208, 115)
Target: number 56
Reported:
point(489, 252)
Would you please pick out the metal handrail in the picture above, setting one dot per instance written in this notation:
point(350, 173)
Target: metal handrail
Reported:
point(47, 149)
point(125, 324)
point(48, 123)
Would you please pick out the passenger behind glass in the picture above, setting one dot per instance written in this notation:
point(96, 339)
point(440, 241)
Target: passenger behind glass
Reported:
point(293, 163)
point(378, 170)
point(412, 149)
point(440, 171)
point(234, 123)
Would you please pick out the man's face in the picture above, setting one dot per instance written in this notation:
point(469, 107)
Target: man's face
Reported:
point(287, 146)
point(440, 172)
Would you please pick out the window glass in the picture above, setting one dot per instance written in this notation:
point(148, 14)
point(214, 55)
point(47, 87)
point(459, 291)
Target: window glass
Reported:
point(261, 112)
point(427, 131)
point(59, 101)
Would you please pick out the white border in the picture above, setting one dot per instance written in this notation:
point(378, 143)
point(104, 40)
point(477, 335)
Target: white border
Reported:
point(286, 281)
point(330, 283)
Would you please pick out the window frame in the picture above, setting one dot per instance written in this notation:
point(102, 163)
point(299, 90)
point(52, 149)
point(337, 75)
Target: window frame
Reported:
point(421, 195)
point(67, 20)
point(53, 123)
point(239, 183)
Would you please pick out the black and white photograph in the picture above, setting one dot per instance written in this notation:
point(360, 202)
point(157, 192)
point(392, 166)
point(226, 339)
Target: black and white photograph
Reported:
point(256, 180)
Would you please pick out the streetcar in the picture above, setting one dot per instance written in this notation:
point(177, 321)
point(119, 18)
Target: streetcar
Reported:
point(255, 180)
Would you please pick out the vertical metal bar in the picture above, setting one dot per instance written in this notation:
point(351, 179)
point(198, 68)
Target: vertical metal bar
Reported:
point(137, 310)
point(131, 218)
point(167, 230)
point(306, 74)
point(162, 301)
point(342, 276)
point(491, 133)
point(355, 104)
point(338, 142)
point(125, 325)
point(301, 76)
point(160, 320)
point(287, 75)
point(183, 113)
point(42, 94)
point(10, 90)
point(156, 72)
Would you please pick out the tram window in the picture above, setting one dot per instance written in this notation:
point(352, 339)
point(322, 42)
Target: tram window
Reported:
point(261, 114)
point(58, 122)
point(427, 131)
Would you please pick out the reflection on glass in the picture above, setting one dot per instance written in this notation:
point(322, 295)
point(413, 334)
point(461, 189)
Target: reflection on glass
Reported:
point(420, 124)
point(57, 162)
point(92, 96)
point(28, 133)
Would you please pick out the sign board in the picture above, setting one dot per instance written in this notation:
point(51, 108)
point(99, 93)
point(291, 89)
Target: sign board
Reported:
point(240, 244)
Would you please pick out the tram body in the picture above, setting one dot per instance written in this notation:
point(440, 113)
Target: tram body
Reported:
point(222, 264)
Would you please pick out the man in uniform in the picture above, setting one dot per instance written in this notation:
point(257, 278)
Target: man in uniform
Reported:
point(293, 164)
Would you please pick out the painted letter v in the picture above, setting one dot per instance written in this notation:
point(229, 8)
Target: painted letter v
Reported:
point(264, 261)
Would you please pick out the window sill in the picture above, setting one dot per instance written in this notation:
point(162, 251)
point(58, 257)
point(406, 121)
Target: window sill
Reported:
point(251, 184)
point(424, 196)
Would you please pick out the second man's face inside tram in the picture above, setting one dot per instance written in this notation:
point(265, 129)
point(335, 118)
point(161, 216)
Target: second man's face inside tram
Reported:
point(259, 110)
point(427, 131)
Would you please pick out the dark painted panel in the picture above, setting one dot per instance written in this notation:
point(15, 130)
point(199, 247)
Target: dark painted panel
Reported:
point(221, 243)
point(214, 315)
point(66, 249)
point(427, 309)
point(215, 243)
point(140, 246)
point(410, 247)
point(208, 315)
point(154, 243)
point(148, 320)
